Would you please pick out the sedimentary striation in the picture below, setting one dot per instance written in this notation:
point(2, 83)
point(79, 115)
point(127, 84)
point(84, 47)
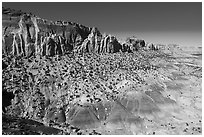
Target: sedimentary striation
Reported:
point(75, 80)
point(31, 35)
point(27, 35)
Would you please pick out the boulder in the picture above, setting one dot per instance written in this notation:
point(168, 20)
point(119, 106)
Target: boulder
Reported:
point(114, 45)
point(135, 44)
point(149, 46)
point(125, 47)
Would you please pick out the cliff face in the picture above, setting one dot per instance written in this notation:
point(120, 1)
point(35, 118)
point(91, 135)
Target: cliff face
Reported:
point(26, 35)
point(135, 93)
point(97, 43)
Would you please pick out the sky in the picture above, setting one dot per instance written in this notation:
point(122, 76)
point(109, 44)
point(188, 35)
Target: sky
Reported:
point(165, 23)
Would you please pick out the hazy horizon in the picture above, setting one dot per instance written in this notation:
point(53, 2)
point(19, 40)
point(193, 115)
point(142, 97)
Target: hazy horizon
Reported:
point(184, 39)
point(165, 23)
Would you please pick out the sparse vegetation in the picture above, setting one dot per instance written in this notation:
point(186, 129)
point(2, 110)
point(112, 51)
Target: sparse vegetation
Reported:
point(133, 88)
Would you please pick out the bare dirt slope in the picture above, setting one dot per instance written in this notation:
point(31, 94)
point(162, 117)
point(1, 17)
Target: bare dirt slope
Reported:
point(64, 78)
point(145, 92)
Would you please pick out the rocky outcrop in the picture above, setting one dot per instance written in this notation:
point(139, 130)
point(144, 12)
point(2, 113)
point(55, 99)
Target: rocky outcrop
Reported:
point(31, 35)
point(151, 46)
point(97, 43)
point(133, 44)
point(28, 35)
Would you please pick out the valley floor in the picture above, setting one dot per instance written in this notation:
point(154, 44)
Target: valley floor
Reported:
point(142, 93)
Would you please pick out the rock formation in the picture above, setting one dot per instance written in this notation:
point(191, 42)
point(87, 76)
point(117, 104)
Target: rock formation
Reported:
point(27, 35)
point(97, 43)
point(133, 44)
point(31, 35)
point(128, 93)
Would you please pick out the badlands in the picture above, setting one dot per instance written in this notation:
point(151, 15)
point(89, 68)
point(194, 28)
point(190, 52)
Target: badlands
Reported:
point(68, 79)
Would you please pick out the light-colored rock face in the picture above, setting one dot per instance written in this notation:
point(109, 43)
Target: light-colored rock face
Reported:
point(31, 33)
point(91, 44)
point(33, 36)
point(96, 43)
point(144, 92)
